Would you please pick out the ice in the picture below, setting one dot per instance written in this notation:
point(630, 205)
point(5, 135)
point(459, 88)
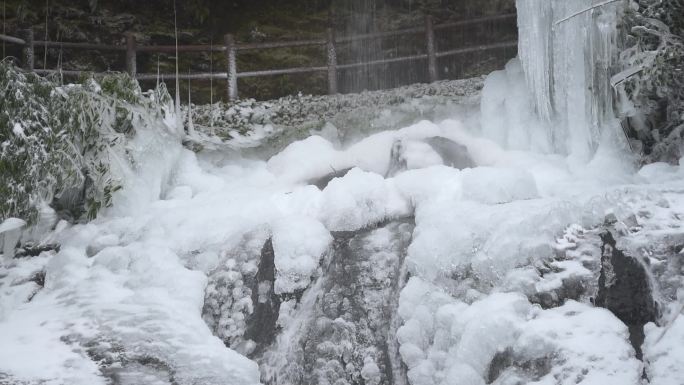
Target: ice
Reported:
point(508, 112)
point(10, 232)
point(567, 64)
point(498, 185)
point(446, 341)
point(296, 163)
point(664, 352)
point(315, 156)
point(298, 244)
point(586, 345)
point(360, 199)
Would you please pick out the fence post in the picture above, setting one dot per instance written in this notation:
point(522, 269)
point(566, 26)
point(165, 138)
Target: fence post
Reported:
point(27, 51)
point(231, 58)
point(433, 75)
point(131, 55)
point(332, 63)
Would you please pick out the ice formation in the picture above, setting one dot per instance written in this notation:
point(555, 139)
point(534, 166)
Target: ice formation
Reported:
point(567, 50)
point(464, 251)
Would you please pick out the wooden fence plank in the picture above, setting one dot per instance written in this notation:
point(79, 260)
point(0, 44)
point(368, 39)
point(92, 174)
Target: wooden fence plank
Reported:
point(484, 47)
point(383, 61)
point(131, 56)
point(84, 46)
point(191, 76)
point(285, 71)
point(27, 52)
point(280, 44)
point(12, 39)
point(431, 49)
point(181, 48)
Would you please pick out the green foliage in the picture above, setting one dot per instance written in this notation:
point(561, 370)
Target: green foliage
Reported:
point(57, 139)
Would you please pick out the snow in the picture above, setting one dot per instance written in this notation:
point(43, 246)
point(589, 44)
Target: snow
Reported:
point(446, 341)
point(18, 130)
point(298, 243)
point(168, 272)
point(10, 232)
point(664, 352)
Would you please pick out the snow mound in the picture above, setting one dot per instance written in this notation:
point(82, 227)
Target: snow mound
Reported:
point(298, 244)
point(498, 185)
point(664, 352)
point(503, 339)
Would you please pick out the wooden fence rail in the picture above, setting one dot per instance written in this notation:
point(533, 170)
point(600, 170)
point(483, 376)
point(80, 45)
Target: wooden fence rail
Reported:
point(231, 49)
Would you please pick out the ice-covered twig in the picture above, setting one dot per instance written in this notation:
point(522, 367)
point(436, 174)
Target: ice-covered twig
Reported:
point(586, 10)
point(621, 77)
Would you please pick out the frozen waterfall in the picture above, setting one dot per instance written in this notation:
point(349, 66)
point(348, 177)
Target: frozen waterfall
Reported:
point(568, 50)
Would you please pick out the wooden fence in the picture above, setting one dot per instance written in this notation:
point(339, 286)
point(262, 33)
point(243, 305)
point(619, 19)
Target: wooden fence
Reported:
point(231, 48)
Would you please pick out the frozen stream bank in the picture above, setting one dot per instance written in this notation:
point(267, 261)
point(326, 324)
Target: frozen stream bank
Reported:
point(492, 245)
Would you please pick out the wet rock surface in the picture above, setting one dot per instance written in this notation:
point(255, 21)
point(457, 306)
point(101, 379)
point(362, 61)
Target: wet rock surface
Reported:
point(625, 290)
point(453, 154)
point(261, 327)
point(345, 335)
point(323, 181)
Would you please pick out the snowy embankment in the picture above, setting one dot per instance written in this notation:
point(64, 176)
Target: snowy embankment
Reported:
point(123, 298)
point(264, 128)
point(500, 247)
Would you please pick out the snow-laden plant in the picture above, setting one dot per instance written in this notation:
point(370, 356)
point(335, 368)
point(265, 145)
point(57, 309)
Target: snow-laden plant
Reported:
point(57, 140)
point(654, 78)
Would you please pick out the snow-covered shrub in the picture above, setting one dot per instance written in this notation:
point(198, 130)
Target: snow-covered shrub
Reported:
point(654, 79)
point(58, 141)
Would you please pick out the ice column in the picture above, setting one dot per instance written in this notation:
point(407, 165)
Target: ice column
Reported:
point(568, 50)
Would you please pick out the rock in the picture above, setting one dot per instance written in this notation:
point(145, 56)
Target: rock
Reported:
point(625, 290)
point(34, 250)
point(341, 331)
point(261, 327)
point(228, 297)
point(397, 159)
point(323, 181)
point(453, 154)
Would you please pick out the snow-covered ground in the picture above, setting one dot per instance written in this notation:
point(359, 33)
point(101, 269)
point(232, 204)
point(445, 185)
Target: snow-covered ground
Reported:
point(123, 298)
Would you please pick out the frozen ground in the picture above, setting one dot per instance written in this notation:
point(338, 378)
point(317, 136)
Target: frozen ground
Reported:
point(264, 128)
point(123, 299)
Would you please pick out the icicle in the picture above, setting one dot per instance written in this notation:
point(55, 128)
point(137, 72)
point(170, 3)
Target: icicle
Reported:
point(567, 50)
